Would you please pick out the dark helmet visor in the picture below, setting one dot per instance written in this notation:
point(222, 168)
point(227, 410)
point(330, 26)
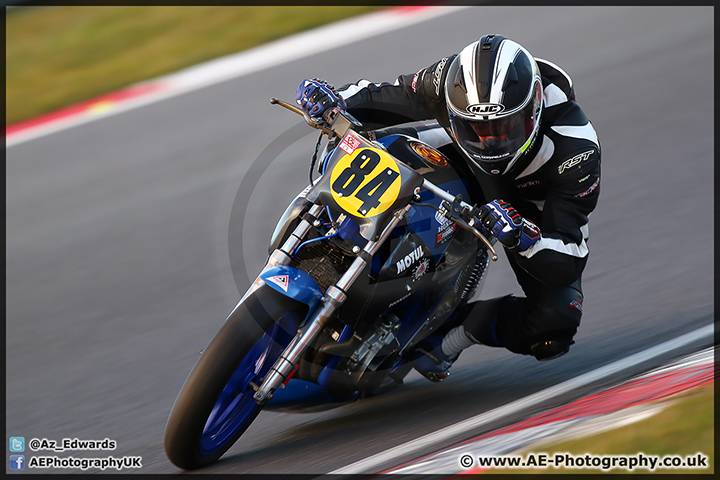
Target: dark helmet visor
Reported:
point(496, 139)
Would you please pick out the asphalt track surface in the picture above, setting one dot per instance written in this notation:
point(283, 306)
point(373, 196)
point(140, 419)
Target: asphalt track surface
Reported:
point(120, 268)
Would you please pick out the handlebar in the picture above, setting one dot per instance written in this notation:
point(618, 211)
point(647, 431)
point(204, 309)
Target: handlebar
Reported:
point(335, 122)
point(308, 119)
point(438, 192)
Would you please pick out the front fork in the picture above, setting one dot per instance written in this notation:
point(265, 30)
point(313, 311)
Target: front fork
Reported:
point(333, 298)
point(283, 255)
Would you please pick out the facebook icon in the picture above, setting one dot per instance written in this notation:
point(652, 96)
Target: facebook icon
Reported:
point(17, 462)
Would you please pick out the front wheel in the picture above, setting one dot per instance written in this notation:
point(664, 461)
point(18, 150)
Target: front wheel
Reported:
point(215, 405)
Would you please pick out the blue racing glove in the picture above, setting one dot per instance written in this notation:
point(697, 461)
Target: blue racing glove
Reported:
point(316, 96)
point(499, 219)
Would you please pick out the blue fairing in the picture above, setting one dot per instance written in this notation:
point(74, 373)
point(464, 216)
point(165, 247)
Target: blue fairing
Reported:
point(388, 140)
point(294, 283)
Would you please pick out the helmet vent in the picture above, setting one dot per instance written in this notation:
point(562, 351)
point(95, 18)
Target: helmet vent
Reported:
point(511, 77)
point(487, 44)
point(484, 89)
point(459, 80)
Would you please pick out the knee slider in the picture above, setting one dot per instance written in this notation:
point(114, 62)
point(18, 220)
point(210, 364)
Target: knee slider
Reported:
point(549, 349)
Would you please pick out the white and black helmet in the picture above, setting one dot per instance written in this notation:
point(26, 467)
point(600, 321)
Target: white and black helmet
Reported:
point(494, 99)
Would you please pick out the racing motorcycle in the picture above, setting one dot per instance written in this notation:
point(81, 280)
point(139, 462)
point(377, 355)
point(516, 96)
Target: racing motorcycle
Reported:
point(371, 258)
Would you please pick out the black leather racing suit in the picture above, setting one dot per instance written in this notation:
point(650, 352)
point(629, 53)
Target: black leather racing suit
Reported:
point(555, 184)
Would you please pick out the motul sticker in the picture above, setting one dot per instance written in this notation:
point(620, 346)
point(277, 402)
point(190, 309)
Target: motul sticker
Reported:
point(409, 259)
point(349, 144)
point(281, 281)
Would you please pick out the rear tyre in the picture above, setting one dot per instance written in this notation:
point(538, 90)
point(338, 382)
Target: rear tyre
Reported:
point(215, 405)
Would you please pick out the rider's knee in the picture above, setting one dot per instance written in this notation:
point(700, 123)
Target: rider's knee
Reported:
point(543, 328)
point(550, 349)
point(554, 325)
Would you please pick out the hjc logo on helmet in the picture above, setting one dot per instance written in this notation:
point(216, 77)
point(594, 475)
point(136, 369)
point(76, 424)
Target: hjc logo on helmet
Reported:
point(485, 108)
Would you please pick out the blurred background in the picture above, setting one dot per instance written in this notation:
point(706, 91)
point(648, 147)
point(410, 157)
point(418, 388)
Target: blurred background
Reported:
point(61, 55)
point(125, 250)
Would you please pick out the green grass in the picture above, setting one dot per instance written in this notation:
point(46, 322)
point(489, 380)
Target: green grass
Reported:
point(684, 428)
point(57, 56)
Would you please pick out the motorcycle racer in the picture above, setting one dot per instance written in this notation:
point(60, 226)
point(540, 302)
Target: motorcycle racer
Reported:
point(514, 121)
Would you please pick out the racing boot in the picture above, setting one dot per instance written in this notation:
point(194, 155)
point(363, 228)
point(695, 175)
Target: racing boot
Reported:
point(436, 354)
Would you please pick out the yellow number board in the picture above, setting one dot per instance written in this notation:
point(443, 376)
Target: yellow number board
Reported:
point(366, 182)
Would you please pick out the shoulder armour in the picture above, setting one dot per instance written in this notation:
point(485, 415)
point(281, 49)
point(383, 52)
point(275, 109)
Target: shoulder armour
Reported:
point(556, 76)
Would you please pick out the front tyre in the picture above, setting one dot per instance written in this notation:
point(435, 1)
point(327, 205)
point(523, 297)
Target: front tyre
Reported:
point(215, 405)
